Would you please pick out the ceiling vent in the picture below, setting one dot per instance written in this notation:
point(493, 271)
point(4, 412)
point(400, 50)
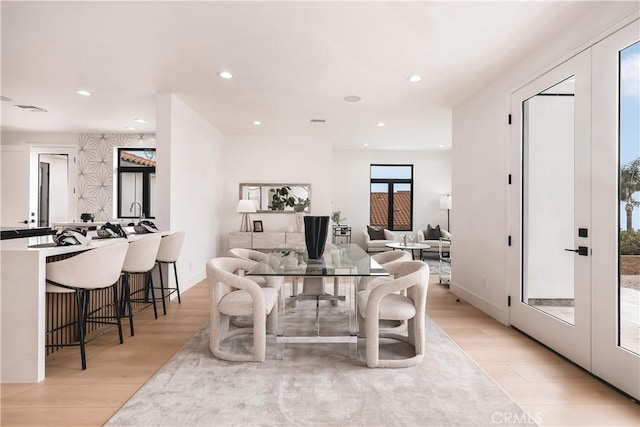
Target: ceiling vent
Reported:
point(318, 121)
point(32, 108)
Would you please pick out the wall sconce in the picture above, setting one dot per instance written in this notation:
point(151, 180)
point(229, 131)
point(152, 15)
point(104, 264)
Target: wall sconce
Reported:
point(245, 207)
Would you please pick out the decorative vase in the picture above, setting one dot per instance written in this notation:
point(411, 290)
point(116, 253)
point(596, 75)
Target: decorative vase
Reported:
point(315, 235)
point(299, 222)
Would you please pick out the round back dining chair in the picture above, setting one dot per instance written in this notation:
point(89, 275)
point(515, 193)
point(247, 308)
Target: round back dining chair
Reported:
point(88, 271)
point(140, 259)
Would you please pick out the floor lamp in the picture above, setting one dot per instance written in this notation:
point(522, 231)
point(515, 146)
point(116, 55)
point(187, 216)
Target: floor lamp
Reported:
point(245, 207)
point(445, 203)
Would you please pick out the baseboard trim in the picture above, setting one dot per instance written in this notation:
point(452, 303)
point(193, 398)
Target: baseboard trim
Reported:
point(501, 314)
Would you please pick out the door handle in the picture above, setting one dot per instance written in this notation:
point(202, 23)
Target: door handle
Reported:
point(24, 222)
point(582, 250)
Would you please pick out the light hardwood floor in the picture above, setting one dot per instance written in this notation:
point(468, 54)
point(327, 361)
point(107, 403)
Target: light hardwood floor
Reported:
point(552, 390)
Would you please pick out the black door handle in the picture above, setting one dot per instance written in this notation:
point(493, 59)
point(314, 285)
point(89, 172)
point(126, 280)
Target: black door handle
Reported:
point(582, 250)
point(24, 222)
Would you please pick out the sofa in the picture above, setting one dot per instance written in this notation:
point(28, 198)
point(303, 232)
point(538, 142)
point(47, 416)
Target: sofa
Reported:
point(378, 245)
point(435, 243)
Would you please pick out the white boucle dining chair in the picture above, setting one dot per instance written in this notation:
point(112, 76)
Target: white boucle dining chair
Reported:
point(382, 258)
point(234, 295)
point(255, 257)
point(383, 303)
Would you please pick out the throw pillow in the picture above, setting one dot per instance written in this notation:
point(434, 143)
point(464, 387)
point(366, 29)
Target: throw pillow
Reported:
point(432, 233)
point(375, 233)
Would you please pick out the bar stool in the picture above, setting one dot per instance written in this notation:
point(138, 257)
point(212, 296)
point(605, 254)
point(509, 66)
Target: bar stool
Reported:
point(140, 259)
point(93, 269)
point(168, 253)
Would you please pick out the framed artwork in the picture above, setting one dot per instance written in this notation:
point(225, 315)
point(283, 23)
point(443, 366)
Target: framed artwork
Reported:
point(257, 226)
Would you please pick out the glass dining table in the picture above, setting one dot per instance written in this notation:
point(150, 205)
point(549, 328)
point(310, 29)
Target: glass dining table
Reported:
point(345, 264)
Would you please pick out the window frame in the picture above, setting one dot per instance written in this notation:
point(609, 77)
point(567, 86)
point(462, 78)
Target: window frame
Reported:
point(146, 183)
point(390, 200)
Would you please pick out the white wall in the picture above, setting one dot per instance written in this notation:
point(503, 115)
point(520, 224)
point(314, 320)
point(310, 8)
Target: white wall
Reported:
point(350, 177)
point(275, 159)
point(189, 184)
point(480, 166)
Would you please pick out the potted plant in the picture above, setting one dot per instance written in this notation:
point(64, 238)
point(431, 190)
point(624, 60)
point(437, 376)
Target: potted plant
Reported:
point(281, 199)
point(336, 217)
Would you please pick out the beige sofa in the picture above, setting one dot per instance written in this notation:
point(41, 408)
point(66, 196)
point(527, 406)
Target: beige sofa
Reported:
point(372, 246)
point(446, 245)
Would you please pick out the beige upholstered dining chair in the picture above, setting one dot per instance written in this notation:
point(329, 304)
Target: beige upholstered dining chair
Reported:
point(255, 257)
point(383, 303)
point(234, 295)
point(382, 258)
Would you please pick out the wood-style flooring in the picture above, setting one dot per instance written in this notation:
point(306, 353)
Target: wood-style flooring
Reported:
point(553, 391)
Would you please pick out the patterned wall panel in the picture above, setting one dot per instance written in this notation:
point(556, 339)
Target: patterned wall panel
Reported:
point(96, 169)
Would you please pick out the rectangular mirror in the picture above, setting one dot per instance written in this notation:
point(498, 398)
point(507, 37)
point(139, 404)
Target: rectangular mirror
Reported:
point(278, 198)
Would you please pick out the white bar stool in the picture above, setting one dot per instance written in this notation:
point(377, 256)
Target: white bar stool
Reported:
point(168, 253)
point(140, 259)
point(93, 269)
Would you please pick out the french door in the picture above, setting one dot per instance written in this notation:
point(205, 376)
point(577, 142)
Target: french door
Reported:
point(568, 141)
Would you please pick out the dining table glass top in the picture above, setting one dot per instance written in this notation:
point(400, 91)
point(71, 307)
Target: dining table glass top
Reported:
point(337, 260)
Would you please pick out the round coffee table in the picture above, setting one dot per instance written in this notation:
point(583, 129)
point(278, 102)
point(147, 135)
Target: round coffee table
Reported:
point(412, 247)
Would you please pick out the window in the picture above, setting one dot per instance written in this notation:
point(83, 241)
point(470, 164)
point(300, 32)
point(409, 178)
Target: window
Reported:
point(136, 182)
point(392, 197)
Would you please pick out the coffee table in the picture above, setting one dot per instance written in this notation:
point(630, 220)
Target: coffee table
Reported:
point(409, 247)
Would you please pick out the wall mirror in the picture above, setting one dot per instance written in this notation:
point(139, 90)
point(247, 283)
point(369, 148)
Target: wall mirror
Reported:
point(278, 198)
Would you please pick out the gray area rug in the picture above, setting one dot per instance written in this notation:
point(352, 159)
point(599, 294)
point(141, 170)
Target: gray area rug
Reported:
point(435, 267)
point(319, 385)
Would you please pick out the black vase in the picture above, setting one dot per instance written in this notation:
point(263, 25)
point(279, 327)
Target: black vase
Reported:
point(315, 235)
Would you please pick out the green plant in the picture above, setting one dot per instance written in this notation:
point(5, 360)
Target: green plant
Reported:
point(335, 217)
point(301, 204)
point(629, 242)
point(281, 199)
point(629, 184)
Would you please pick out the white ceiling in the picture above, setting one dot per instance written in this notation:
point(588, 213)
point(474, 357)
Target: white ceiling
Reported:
point(291, 61)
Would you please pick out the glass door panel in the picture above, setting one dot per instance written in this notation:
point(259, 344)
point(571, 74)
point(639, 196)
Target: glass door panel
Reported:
point(629, 183)
point(548, 200)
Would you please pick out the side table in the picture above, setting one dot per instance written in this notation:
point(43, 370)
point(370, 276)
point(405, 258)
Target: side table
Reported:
point(341, 232)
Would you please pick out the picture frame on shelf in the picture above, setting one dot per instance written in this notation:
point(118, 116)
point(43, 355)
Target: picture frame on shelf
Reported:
point(257, 226)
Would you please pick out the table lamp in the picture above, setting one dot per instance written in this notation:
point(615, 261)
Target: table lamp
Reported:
point(245, 207)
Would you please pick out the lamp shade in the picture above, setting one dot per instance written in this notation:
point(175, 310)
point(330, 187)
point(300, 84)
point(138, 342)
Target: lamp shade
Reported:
point(246, 206)
point(445, 202)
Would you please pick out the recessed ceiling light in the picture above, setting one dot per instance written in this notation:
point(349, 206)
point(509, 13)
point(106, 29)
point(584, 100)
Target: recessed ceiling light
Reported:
point(414, 79)
point(140, 120)
point(130, 128)
point(257, 123)
point(365, 145)
point(442, 145)
point(352, 98)
point(225, 75)
point(83, 92)
point(380, 124)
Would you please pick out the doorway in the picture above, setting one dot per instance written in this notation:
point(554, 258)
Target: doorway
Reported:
point(52, 185)
point(571, 167)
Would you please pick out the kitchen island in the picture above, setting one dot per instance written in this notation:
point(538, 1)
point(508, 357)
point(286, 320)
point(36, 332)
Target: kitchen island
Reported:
point(23, 303)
